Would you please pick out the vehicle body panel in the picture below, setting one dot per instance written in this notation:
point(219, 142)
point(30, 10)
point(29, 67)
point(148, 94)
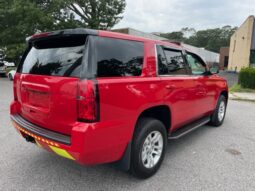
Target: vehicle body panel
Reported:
point(50, 102)
point(47, 99)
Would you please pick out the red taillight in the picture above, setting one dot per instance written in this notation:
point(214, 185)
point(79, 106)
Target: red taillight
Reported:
point(87, 101)
point(15, 89)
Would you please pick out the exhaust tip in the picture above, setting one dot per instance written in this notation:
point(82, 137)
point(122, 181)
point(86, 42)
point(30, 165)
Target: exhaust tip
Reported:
point(30, 139)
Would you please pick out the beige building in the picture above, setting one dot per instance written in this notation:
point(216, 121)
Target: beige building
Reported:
point(242, 46)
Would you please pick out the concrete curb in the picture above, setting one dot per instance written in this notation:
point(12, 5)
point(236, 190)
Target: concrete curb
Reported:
point(242, 96)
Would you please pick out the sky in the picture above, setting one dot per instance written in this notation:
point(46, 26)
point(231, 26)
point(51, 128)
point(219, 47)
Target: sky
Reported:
point(173, 15)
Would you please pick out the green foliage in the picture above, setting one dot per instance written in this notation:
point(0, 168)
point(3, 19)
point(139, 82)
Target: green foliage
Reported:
point(235, 88)
point(178, 36)
point(22, 18)
point(14, 51)
point(239, 88)
point(247, 77)
point(97, 14)
point(211, 39)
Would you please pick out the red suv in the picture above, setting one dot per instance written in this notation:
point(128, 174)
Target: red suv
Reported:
point(102, 97)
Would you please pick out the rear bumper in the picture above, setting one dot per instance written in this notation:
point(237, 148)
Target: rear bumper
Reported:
point(89, 143)
point(23, 124)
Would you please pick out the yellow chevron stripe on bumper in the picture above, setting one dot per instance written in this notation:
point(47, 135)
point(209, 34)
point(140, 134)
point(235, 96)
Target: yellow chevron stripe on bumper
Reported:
point(61, 152)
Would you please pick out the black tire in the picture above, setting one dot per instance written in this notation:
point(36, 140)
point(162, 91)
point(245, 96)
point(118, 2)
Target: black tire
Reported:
point(144, 128)
point(215, 120)
point(10, 77)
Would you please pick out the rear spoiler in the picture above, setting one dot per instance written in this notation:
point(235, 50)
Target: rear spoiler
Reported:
point(77, 31)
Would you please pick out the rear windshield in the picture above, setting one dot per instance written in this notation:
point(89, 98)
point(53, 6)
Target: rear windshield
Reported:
point(60, 56)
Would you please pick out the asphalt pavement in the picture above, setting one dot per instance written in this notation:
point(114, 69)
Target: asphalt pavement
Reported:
point(231, 77)
point(207, 159)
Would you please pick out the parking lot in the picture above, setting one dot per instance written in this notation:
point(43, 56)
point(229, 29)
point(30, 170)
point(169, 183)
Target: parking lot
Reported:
point(231, 77)
point(207, 159)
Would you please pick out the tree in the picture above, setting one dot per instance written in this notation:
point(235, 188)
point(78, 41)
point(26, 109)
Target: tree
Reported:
point(22, 18)
point(211, 39)
point(175, 36)
point(187, 32)
point(97, 14)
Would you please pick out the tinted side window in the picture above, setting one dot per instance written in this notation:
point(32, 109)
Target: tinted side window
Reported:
point(170, 62)
point(175, 62)
point(196, 64)
point(116, 57)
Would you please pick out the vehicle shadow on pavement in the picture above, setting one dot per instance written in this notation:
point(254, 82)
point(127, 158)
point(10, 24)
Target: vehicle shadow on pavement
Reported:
point(178, 145)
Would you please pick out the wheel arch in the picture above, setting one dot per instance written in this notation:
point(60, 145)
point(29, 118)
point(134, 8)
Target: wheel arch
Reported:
point(224, 93)
point(160, 112)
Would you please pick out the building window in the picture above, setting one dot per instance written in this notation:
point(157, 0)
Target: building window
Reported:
point(226, 58)
point(252, 57)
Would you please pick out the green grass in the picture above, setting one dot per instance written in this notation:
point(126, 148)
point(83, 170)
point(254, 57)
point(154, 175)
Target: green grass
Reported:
point(239, 88)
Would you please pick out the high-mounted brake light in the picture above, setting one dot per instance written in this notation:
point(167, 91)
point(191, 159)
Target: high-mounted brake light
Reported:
point(87, 101)
point(40, 35)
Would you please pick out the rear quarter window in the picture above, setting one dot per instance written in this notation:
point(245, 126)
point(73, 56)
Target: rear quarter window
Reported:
point(117, 57)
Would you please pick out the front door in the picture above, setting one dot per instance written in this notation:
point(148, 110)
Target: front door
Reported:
point(205, 87)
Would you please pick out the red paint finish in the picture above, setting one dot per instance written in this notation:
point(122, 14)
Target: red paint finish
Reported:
point(48, 101)
point(51, 102)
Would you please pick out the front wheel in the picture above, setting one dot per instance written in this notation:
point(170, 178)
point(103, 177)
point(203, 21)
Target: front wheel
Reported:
point(148, 147)
point(218, 115)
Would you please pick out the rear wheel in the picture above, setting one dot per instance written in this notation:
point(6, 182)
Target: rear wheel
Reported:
point(218, 115)
point(10, 77)
point(148, 147)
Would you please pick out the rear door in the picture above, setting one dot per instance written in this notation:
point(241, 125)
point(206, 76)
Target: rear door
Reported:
point(46, 81)
point(178, 87)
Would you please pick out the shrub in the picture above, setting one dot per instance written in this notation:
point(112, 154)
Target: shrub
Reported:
point(247, 77)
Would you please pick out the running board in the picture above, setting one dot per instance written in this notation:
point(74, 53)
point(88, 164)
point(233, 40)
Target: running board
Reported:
point(188, 128)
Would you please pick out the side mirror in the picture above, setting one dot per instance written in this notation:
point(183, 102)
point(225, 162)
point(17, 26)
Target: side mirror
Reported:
point(214, 70)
